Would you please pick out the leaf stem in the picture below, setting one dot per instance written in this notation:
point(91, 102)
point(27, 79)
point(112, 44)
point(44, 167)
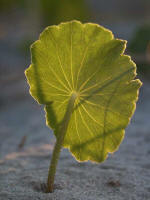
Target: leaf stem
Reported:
point(59, 142)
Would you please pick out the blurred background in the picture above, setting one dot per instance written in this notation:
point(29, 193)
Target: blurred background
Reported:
point(21, 21)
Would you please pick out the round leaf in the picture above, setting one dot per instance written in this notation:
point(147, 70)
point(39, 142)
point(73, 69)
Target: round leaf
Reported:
point(87, 60)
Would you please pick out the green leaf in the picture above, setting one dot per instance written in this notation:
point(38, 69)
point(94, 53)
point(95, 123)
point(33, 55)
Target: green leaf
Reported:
point(85, 60)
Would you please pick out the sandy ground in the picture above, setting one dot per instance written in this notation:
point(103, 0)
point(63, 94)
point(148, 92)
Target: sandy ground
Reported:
point(25, 150)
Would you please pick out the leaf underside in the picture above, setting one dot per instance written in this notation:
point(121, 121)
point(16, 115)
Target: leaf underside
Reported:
point(87, 60)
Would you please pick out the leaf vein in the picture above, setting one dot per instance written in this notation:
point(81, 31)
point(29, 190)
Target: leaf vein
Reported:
point(56, 45)
point(91, 116)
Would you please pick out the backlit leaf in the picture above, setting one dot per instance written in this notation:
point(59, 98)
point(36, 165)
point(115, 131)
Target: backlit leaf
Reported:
point(87, 60)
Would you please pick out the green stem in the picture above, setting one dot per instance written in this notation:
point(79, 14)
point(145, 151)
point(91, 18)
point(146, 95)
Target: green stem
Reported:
point(59, 142)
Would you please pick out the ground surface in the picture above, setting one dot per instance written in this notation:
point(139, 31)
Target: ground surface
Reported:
point(24, 162)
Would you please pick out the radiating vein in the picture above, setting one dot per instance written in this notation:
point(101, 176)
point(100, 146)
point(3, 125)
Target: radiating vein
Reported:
point(51, 68)
point(71, 33)
point(55, 94)
point(95, 85)
point(88, 80)
point(100, 106)
point(60, 60)
point(59, 80)
point(48, 64)
point(91, 116)
point(82, 61)
point(91, 133)
point(111, 81)
point(51, 85)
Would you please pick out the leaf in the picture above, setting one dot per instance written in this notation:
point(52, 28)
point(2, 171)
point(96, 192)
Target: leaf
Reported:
point(84, 59)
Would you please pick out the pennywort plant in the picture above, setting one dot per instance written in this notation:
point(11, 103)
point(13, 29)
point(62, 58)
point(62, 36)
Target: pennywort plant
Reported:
point(80, 74)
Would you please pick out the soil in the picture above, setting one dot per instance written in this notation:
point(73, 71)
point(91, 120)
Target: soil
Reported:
point(26, 146)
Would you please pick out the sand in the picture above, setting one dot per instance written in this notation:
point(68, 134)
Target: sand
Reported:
point(25, 150)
